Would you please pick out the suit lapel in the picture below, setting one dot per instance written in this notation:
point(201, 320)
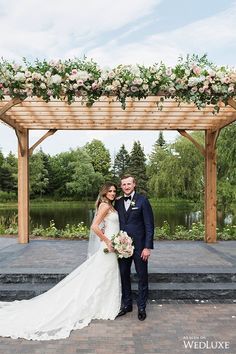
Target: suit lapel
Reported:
point(122, 207)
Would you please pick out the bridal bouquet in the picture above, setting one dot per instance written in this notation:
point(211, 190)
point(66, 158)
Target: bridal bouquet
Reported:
point(122, 244)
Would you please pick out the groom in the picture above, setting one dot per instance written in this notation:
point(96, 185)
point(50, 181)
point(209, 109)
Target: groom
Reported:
point(136, 218)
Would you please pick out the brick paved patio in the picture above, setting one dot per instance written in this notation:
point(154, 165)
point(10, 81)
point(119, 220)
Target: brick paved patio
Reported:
point(164, 331)
point(169, 323)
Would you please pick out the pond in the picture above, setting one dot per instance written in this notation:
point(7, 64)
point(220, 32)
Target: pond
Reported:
point(74, 212)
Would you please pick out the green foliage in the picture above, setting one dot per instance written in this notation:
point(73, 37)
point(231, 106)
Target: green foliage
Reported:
point(100, 157)
point(176, 171)
point(121, 163)
point(137, 167)
point(84, 179)
point(8, 226)
point(8, 173)
point(38, 175)
point(226, 168)
point(194, 79)
point(195, 233)
point(160, 141)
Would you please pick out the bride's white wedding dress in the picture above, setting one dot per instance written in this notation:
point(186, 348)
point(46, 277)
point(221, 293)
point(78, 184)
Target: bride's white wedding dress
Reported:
point(91, 291)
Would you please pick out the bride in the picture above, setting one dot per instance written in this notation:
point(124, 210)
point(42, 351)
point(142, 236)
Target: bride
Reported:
point(91, 291)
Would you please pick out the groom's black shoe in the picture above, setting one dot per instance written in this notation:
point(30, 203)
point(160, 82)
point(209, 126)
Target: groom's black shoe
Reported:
point(141, 314)
point(124, 310)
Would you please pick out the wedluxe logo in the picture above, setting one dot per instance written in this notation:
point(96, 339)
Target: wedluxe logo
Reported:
point(202, 343)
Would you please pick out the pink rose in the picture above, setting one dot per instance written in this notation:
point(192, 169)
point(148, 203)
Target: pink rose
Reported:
point(196, 70)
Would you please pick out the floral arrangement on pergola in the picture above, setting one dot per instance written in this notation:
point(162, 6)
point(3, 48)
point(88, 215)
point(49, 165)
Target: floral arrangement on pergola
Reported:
point(77, 94)
point(194, 79)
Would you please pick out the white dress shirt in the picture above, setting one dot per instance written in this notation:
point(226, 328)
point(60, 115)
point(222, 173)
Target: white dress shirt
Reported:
point(128, 201)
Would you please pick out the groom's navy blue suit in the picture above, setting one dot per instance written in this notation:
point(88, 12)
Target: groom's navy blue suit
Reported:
point(138, 222)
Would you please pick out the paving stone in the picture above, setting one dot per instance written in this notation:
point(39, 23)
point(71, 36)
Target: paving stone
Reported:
point(168, 321)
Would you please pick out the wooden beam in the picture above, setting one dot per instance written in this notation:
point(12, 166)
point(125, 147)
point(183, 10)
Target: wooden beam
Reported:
point(23, 187)
point(21, 148)
point(108, 126)
point(50, 132)
point(9, 104)
point(6, 119)
point(210, 186)
point(190, 138)
point(232, 103)
point(227, 121)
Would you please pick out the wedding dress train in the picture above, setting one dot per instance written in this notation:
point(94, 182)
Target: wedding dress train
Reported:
point(91, 291)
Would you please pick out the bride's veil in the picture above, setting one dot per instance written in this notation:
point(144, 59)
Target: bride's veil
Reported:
point(94, 240)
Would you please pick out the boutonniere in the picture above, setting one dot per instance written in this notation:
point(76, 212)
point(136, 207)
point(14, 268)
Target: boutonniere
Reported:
point(133, 203)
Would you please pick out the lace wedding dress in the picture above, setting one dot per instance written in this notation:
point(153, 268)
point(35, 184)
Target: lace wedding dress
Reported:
point(91, 291)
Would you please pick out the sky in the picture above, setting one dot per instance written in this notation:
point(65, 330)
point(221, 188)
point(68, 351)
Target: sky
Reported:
point(124, 31)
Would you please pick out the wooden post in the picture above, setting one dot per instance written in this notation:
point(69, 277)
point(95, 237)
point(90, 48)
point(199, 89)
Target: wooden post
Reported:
point(210, 186)
point(23, 186)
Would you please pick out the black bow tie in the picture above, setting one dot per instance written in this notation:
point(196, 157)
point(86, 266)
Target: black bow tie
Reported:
point(126, 198)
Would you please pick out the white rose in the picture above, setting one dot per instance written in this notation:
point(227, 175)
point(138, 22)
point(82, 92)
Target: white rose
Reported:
point(137, 81)
point(134, 69)
point(48, 73)
point(104, 75)
point(20, 76)
point(194, 89)
point(82, 75)
point(27, 73)
point(42, 85)
point(111, 75)
point(30, 86)
point(231, 89)
point(168, 71)
point(55, 79)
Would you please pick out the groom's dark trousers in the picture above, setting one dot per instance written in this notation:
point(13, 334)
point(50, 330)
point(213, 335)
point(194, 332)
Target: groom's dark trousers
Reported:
point(138, 222)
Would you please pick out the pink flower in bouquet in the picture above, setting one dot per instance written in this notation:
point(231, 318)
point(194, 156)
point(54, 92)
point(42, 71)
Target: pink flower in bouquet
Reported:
point(122, 245)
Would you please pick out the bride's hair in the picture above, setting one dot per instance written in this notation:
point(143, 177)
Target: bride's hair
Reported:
point(102, 193)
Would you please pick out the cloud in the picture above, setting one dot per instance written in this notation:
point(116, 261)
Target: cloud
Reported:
point(111, 33)
point(36, 30)
point(215, 35)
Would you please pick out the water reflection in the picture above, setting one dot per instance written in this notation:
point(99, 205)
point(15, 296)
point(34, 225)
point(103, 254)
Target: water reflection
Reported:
point(76, 212)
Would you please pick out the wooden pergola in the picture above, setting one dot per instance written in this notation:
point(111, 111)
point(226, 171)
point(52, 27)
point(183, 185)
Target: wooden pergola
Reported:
point(105, 114)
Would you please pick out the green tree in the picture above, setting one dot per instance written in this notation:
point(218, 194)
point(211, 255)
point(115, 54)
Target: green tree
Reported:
point(61, 172)
point(100, 157)
point(226, 168)
point(161, 141)
point(137, 167)
point(8, 173)
point(38, 175)
point(85, 181)
point(121, 162)
point(158, 161)
point(176, 171)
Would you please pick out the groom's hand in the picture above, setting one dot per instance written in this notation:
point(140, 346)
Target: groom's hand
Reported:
point(145, 254)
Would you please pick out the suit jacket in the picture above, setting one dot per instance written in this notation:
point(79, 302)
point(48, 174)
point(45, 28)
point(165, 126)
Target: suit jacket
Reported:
point(137, 221)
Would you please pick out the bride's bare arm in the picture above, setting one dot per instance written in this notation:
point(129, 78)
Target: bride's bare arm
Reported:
point(101, 213)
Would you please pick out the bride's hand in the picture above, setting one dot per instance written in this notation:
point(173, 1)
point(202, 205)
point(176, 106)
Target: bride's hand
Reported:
point(109, 246)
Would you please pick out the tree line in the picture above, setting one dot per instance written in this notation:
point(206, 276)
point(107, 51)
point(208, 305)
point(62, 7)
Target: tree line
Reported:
point(172, 171)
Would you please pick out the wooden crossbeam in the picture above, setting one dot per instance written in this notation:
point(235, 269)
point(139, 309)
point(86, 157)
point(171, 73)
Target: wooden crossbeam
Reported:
point(50, 132)
point(232, 102)
point(190, 138)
